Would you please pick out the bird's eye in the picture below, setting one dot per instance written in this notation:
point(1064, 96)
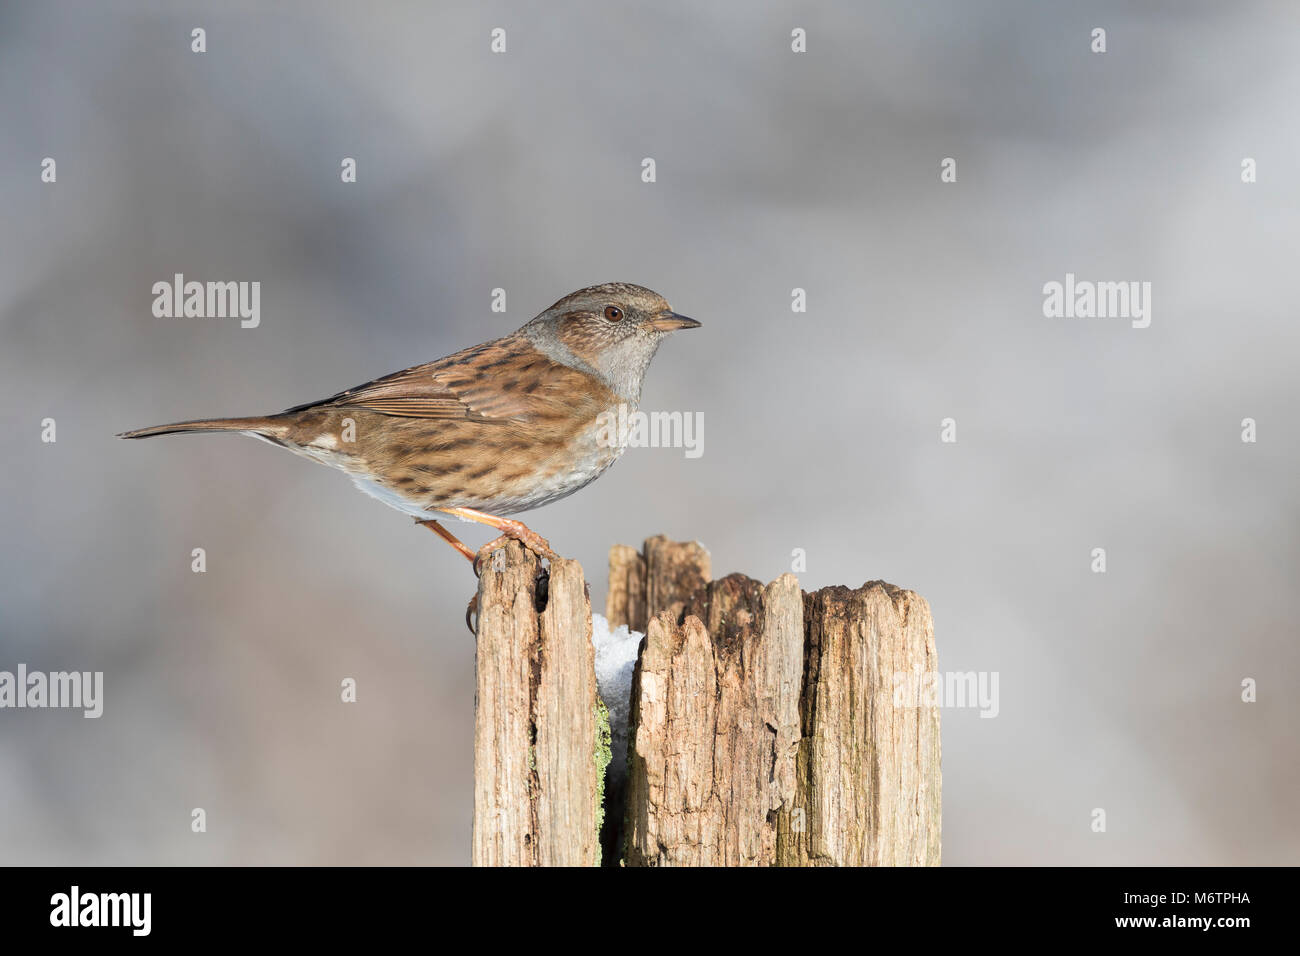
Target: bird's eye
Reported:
point(613, 313)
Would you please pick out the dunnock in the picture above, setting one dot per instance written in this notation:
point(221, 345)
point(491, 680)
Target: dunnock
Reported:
point(493, 430)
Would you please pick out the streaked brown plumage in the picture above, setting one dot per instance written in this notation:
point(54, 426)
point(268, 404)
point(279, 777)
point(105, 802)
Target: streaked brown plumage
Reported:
point(492, 430)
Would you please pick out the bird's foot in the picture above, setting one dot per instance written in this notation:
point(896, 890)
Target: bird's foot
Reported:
point(509, 528)
point(529, 539)
point(471, 611)
point(487, 551)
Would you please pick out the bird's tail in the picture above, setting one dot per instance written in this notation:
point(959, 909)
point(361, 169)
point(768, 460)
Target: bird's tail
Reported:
point(261, 425)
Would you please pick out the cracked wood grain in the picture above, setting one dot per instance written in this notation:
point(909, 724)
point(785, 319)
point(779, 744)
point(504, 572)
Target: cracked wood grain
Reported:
point(535, 730)
point(764, 730)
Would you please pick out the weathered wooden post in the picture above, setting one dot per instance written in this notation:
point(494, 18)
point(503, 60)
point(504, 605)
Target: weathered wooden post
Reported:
point(764, 725)
point(538, 763)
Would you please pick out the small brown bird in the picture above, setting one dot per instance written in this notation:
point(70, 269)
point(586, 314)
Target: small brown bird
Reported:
point(493, 430)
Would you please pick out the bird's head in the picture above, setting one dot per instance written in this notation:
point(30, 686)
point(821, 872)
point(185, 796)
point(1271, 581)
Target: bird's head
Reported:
point(610, 330)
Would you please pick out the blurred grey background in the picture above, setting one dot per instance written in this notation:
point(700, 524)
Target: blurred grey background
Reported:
point(775, 170)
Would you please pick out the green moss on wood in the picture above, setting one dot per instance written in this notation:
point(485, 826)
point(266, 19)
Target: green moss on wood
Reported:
point(602, 756)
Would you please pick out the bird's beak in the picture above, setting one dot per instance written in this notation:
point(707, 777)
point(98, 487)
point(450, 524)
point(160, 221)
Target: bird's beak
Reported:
point(671, 322)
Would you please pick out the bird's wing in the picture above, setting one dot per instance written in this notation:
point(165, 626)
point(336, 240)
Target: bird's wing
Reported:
point(486, 383)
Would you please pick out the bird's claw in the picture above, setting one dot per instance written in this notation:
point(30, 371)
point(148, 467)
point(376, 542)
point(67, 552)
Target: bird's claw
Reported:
point(485, 552)
point(529, 539)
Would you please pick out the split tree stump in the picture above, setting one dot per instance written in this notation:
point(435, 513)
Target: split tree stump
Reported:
point(764, 729)
point(536, 776)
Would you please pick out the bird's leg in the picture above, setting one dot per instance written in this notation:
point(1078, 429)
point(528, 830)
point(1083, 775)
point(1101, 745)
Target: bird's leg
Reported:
point(472, 609)
point(509, 528)
point(447, 536)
